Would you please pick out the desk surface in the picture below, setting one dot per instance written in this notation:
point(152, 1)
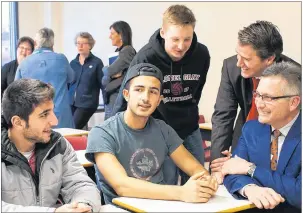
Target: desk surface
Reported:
point(221, 202)
point(81, 157)
point(111, 208)
point(206, 126)
point(71, 132)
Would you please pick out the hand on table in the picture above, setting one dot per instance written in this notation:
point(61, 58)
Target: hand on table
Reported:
point(74, 207)
point(199, 188)
point(263, 197)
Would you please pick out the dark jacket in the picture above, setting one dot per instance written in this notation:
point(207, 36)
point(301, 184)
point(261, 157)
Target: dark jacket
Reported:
point(58, 171)
point(182, 85)
point(85, 91)
point(8, 72)
point(234, 91)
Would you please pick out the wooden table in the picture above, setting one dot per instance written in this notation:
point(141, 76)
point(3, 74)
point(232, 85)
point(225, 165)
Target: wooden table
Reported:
point(205, 129)
point(221, 202)
point(71, 132)
point(81, 157)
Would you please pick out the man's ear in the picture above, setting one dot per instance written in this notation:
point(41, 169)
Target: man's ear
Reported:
point(270, 60)
point(17, 122)
point(162, 33)
point(295, 102)
point(126, 94)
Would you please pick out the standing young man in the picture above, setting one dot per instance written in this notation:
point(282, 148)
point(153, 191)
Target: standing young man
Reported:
point(130, 148)
point(184, 62)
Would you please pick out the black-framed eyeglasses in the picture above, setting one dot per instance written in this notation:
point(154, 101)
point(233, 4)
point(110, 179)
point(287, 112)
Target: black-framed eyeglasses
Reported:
point(267, 98)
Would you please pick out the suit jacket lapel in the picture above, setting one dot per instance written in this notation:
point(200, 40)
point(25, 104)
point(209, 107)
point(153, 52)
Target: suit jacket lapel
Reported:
point(263, 146)
point(290, 143)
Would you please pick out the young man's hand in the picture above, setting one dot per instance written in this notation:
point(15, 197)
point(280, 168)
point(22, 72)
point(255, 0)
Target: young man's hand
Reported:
point(74, 207)
point(199, 188)
point(263, 197)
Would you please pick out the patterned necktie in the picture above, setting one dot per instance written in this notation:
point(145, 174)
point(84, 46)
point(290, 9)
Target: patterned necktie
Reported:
point(274, 150)
point(253, 113)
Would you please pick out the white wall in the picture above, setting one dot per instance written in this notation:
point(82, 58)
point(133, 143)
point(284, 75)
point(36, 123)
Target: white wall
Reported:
point(217, 26)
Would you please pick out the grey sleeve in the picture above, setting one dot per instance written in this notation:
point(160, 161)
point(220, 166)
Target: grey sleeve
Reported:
point(126, 55)
point(99, 140)
point(172, 139)
point(8, 207)
point(77, 186)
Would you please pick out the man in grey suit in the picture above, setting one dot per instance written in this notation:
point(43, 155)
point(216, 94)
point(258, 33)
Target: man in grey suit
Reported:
point(259, 46)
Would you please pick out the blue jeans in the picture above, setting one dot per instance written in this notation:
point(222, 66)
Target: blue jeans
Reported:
point(193, 143)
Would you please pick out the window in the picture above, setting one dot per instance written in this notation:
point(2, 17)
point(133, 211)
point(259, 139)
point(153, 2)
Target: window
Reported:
point(9, 31)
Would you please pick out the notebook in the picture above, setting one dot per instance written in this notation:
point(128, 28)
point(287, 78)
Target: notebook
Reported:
point(112, 57)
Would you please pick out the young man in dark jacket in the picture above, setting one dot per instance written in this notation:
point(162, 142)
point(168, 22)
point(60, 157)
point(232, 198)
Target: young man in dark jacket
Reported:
point(37, 163)
point(184, 61)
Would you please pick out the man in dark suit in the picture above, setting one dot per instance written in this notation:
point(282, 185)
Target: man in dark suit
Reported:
point(259, 46)
point(266, 164)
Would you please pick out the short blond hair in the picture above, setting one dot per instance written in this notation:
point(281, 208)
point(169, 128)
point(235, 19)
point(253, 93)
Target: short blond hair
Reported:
point(179, 15)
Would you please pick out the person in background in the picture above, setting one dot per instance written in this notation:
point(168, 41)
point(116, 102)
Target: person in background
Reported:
point(175, 50)
point(259, 46)
point(85, 91)
point(266, 167)
point(50, 67)
point(130, 148)
point(25, 47)
point(37, 164)
point(121, 37)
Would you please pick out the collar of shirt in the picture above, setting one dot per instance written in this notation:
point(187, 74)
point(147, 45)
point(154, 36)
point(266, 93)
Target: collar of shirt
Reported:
point(87, 59)
point(42, 50)
point(285, 129)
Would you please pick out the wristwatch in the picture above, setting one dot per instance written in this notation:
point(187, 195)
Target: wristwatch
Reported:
point(251, 170)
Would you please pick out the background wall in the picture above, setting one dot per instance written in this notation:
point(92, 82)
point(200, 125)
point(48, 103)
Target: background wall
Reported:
point(217, 26)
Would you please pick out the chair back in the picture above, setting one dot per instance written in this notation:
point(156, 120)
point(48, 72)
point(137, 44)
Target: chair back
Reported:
point(77, 142)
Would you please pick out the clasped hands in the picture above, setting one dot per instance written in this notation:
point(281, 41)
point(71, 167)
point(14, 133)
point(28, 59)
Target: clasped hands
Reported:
point(199, 188)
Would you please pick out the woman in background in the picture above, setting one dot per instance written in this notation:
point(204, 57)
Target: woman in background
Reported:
point(121, 37)
point(25, 47)
point(88, 74)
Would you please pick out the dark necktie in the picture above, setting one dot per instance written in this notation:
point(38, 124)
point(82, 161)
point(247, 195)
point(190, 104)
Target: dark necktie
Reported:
point(274, 150)
point(253, 113)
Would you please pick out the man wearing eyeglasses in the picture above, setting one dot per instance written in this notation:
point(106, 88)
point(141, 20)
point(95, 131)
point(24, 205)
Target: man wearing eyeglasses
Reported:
point(259, 46)
point(266, 164)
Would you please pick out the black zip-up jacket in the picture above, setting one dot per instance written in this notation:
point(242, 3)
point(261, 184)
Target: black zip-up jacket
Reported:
point(182, 84)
